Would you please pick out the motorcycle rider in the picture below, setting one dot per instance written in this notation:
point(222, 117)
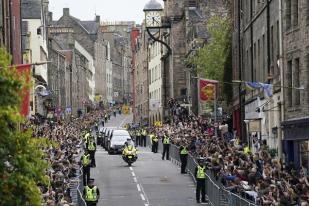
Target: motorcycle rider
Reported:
point(128, 150)
point(129, 146)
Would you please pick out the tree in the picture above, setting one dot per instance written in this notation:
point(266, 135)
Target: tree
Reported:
point(214, 59)
point(211, 57)
point(22, 165)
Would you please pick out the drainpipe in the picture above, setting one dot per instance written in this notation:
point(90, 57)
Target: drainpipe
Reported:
point(280, 136)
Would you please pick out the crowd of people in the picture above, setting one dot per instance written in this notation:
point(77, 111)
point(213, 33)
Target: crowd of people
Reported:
point(63, 156)
point(253, 175)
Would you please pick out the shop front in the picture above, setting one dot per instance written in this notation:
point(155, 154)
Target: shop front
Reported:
point(296, 142)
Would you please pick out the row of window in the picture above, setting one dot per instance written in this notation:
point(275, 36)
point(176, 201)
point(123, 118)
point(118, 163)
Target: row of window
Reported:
point(155, 50)
point(259, 61)
point(294, 74)
point(156, 94)
point(155, 73)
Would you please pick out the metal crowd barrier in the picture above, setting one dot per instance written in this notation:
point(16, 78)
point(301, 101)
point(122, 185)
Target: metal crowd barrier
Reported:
point(217, 195)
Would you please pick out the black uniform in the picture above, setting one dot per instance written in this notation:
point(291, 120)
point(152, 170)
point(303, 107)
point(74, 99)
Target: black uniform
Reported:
point(86, 170)
point(91, 203)
point(183, 152)
point(200, 183)
point(92, 152)
point(155, 144)
point(166, 147)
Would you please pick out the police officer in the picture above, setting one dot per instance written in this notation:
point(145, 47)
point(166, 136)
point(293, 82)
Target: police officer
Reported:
point(85, 162)
point(138, 137)
point(183, 152)
point(143, 137)
point(91, 193)
point(200, 176)
point(155, 142)
point(166, 147)
point(92, 147)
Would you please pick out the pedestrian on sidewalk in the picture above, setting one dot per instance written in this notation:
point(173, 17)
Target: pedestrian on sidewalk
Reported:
point(91, 193)
point(200, 175)
point(183, 152)
point(166, 146)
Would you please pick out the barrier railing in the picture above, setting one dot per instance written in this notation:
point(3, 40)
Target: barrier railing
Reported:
point(217, 195)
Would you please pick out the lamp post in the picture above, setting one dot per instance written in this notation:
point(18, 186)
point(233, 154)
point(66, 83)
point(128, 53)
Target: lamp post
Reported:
point(153, 20)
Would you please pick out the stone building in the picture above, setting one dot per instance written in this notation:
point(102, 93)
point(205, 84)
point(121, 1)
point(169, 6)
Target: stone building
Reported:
point(176, 86)
point(140, 73)
point(155, 80)
point(259, 48)
point(10, 27)
point(296, 64)
point(89, 36)
point(118, 36)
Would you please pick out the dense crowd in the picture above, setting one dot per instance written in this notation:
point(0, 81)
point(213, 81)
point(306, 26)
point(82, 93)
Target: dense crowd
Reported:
point(64, 156)
point(253, 175)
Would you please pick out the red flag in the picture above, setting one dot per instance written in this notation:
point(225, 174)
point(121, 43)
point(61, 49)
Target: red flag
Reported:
point(25, 93)
point(207, 89)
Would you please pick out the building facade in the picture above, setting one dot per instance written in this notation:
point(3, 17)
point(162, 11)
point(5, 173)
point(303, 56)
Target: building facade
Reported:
point(259, 48)
point(155, 81)
point(296, 77)
point(34, 25)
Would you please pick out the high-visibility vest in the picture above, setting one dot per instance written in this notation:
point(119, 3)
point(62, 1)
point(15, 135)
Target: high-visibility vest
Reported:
point(166, 140)
point(184, 151)
point(144, 132)
point(200, 172)
point(91, 146)
point(86, 160)
point(155, 138)
point(247, 150)
point(91, 194)
point(138, 133)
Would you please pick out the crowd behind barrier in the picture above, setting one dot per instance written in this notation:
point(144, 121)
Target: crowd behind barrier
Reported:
point(237, 176)
point(64, 160)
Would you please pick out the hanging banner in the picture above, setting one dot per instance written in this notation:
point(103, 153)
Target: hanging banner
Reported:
point(24, 70)
point(207, 89)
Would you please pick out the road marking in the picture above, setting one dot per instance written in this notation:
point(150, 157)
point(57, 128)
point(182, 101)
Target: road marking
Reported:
point(146, 205)
point(131, 168)
point(135, 180)
point(133, 174)
point(142, 196)
point(123, 121)
point(138, 187)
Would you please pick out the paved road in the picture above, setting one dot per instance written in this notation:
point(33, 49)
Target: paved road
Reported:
point(150, 181)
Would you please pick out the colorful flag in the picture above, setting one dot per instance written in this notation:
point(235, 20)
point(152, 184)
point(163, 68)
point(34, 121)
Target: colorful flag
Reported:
point(267, 88)
point(24, 70)
point(253, 85)
point(207, 89)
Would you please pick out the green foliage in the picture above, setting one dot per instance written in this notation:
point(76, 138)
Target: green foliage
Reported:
point(22, 164)
point(211, 58)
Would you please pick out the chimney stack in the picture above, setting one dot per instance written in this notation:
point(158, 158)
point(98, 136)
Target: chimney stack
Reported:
point(66, 12)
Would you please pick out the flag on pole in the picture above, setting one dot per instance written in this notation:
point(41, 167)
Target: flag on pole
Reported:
point(207, 89)
point(24, 70)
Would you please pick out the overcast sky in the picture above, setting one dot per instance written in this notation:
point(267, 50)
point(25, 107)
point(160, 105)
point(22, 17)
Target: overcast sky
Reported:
point(111, 10)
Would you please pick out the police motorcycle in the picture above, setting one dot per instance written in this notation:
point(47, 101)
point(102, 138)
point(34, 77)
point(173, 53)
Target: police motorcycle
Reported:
point(129, 153)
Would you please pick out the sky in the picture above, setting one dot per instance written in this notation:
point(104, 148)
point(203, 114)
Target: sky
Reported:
point(109, 10)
